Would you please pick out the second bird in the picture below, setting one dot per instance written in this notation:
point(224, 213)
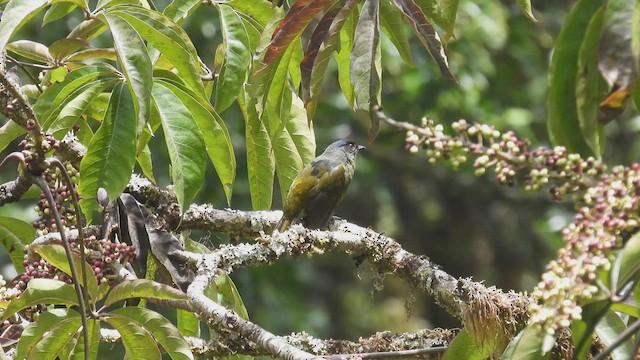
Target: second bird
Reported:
point(319, 188)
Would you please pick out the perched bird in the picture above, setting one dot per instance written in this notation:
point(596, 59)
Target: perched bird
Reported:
point(318, 189)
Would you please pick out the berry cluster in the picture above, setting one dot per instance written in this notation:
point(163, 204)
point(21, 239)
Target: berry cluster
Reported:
point(510, 157)
point(610, 212)
point(63, 201)
point(105, 252)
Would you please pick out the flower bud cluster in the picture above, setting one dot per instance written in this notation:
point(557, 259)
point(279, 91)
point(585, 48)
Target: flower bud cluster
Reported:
point(508, 156)
point(63, 199)
point(610, 210)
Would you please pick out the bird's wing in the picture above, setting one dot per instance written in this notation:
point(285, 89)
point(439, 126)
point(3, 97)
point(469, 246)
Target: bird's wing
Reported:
point(323, 198)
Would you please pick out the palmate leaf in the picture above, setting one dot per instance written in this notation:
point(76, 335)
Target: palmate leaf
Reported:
point(59, 325)
point(214, 132)
point(163, 331)
point(562, 119)
point(366, 70)
point(138, 342)
point(111, 153)
point(14, 234)
point(237, 57)
point(135, 63)
point(184, 143)
point(167, 37)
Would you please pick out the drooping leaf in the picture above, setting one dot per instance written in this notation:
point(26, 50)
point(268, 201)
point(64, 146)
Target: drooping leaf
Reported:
point(135, 63)
point(59, 325)
point(608, 329)
point(146, 164)
point(88, 29)
point(427, 34)
point(163, 331)
point(296, 20)
point(111, 153)
point(366, 68)
point(562, 119)
point(138, 342)
point(215, 134)
point(224, 292)
point(237, 57)
point(59, 49)
point(168, 37)
point(179, 11)
point(55, 255)
point(58, 11)
point(92, 54)
point(316, 58)
point(627, 268)
point(16, 14)
point(582, 329)
point(184, 143)
point(343, 55)
point(9, 132)
point(75, 347)
point(300, 129)
point(260, 162)
point(393, 27)
point(42, 291)
point(14, 235)
point(587, 85)
point(143, 288)
point(261, 10)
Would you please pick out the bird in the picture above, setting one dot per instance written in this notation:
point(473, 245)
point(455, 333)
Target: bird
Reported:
point(318, 189)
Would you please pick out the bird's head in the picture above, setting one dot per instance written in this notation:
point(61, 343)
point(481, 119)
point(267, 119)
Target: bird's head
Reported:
point(347, 147)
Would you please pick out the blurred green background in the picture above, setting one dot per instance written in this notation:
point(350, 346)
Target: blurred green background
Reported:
point(471, 226)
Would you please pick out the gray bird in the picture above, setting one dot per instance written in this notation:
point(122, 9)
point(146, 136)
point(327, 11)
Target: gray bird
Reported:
point(319, 188)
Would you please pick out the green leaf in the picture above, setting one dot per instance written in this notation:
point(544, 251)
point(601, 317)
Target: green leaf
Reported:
point(143, 288)
point(179, 11)
point(145, 162)
point(261, 10)
point(184, 143)
point(42, 291)
point(16, 14)
point(343, 56)
point(135, 62)
point(214, 132)
point(75, 348)
point(366, 70)
point(77, 105)
point(629, 309)
point(562, 119)
point(169, 38)
point(56, 256)
point(187, 323)
point(9, 132)
point(60, 49)
point(582, 330)
point(627, 267)
point(260, 162)
point(527, 345)
point(31, 50)
point(58, 11)
point(88, 29)
point(300, 129)
point(14, 234)
point(608, 330)
point(93, 54)
point(162, 330)
point(48, 335)
point(465, 347)
point(111, 153)
point(587, 84)
point(525, 5)
point(237, 57)
point(224, 292)
point(391, 20)
point(137, 341)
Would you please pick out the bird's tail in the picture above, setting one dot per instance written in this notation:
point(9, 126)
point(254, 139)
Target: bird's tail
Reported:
point(283, 224)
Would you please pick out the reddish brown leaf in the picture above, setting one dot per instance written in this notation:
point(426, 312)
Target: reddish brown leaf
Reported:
point(317, 38)
point(298, 17)
point(427, 34)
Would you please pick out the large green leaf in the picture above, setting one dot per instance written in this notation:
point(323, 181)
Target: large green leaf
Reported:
point(179, 11)
point(42, 291)
point(525, 5)
point(627, 267)
point(168, 37)
point(31, 50)
point(48, 335)
point(343, 56)
point(164, 332)
point(14, 234)
point(582, 329)
point(260, 162)
point(184, 143)
point(111, 154)
point(391, 20)
point(527, 345)
point(135, 63)
point(261, 10)
point(587, 84)
point(562, 119)
point(138, 342)
point(237, 57)
point(16, 14)
point(143, 288)
point(366, 68)
point(214, 132)
point(609, 328)
point(465, 347)
point(9, 132)
point(56, 256)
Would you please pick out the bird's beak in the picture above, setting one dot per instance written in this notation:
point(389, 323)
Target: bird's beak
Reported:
point(360, 147)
